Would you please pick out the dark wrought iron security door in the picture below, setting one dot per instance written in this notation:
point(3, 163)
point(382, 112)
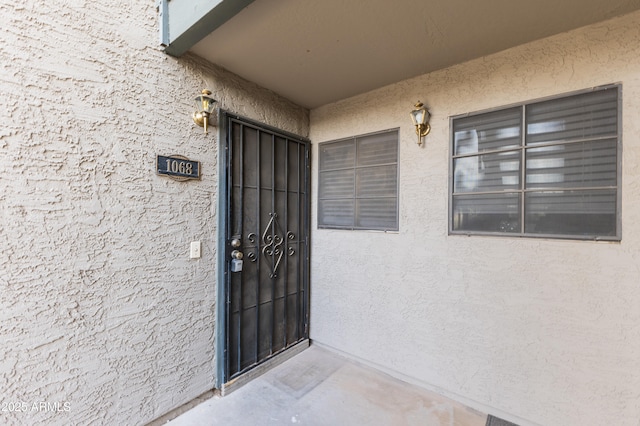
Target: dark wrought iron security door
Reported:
point(267, 229)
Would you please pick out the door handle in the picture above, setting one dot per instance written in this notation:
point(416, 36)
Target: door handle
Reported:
point(237, 255)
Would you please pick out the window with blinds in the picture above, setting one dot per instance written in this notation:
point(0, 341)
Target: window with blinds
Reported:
point(548, 168)
point(358, 182)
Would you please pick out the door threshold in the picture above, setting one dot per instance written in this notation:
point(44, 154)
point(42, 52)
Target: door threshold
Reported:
point(260, 369)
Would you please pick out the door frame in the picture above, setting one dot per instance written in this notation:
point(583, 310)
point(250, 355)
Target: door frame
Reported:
point(223, 219)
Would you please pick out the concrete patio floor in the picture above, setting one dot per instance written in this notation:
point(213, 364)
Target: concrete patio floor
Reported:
point(318, 387)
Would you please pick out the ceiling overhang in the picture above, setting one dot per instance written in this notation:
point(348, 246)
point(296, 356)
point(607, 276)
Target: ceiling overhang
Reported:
point(315, 53)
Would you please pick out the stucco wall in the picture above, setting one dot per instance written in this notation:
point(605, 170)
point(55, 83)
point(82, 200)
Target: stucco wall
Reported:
point(539, 331)
point(102, 314)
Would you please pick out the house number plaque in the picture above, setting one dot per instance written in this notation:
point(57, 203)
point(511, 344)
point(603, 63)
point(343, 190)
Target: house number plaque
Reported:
point(178, 167)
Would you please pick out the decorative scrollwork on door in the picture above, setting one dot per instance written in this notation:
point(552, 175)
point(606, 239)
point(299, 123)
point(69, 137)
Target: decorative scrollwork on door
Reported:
point(252, 238)
point(292, 237)
point(273, 245)
point(272, 239)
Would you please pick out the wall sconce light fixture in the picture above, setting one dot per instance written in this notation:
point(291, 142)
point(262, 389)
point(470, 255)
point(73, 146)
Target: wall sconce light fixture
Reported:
point(420, 116)
point(205, 105)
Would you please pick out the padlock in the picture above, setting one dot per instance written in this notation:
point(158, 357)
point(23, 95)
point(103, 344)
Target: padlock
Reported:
point(236, 265)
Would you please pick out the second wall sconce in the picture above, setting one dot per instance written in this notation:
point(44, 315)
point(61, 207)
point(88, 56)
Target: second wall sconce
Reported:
point(420, 116)
point(205, 105)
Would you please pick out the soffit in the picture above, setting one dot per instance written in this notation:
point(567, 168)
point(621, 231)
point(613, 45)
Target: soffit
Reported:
point(317, 52)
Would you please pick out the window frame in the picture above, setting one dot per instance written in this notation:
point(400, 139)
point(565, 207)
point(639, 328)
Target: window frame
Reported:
point(523, 150)
point(354, 140)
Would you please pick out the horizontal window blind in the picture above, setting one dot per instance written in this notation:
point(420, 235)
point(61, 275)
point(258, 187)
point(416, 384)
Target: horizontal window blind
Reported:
point(358, 182)
point(589, 115)
point(545, 168)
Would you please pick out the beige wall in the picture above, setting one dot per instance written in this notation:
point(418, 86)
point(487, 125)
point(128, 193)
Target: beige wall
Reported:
point(539, 331)
point(100, 305)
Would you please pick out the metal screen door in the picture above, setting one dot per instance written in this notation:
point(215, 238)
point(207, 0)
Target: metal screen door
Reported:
point(267, 229)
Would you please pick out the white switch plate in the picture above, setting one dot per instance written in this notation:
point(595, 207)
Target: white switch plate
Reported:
point(195, 250)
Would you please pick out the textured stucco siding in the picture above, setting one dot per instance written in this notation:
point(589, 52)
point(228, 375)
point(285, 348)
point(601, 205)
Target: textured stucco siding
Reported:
point(102, 314)
point(541, 331)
